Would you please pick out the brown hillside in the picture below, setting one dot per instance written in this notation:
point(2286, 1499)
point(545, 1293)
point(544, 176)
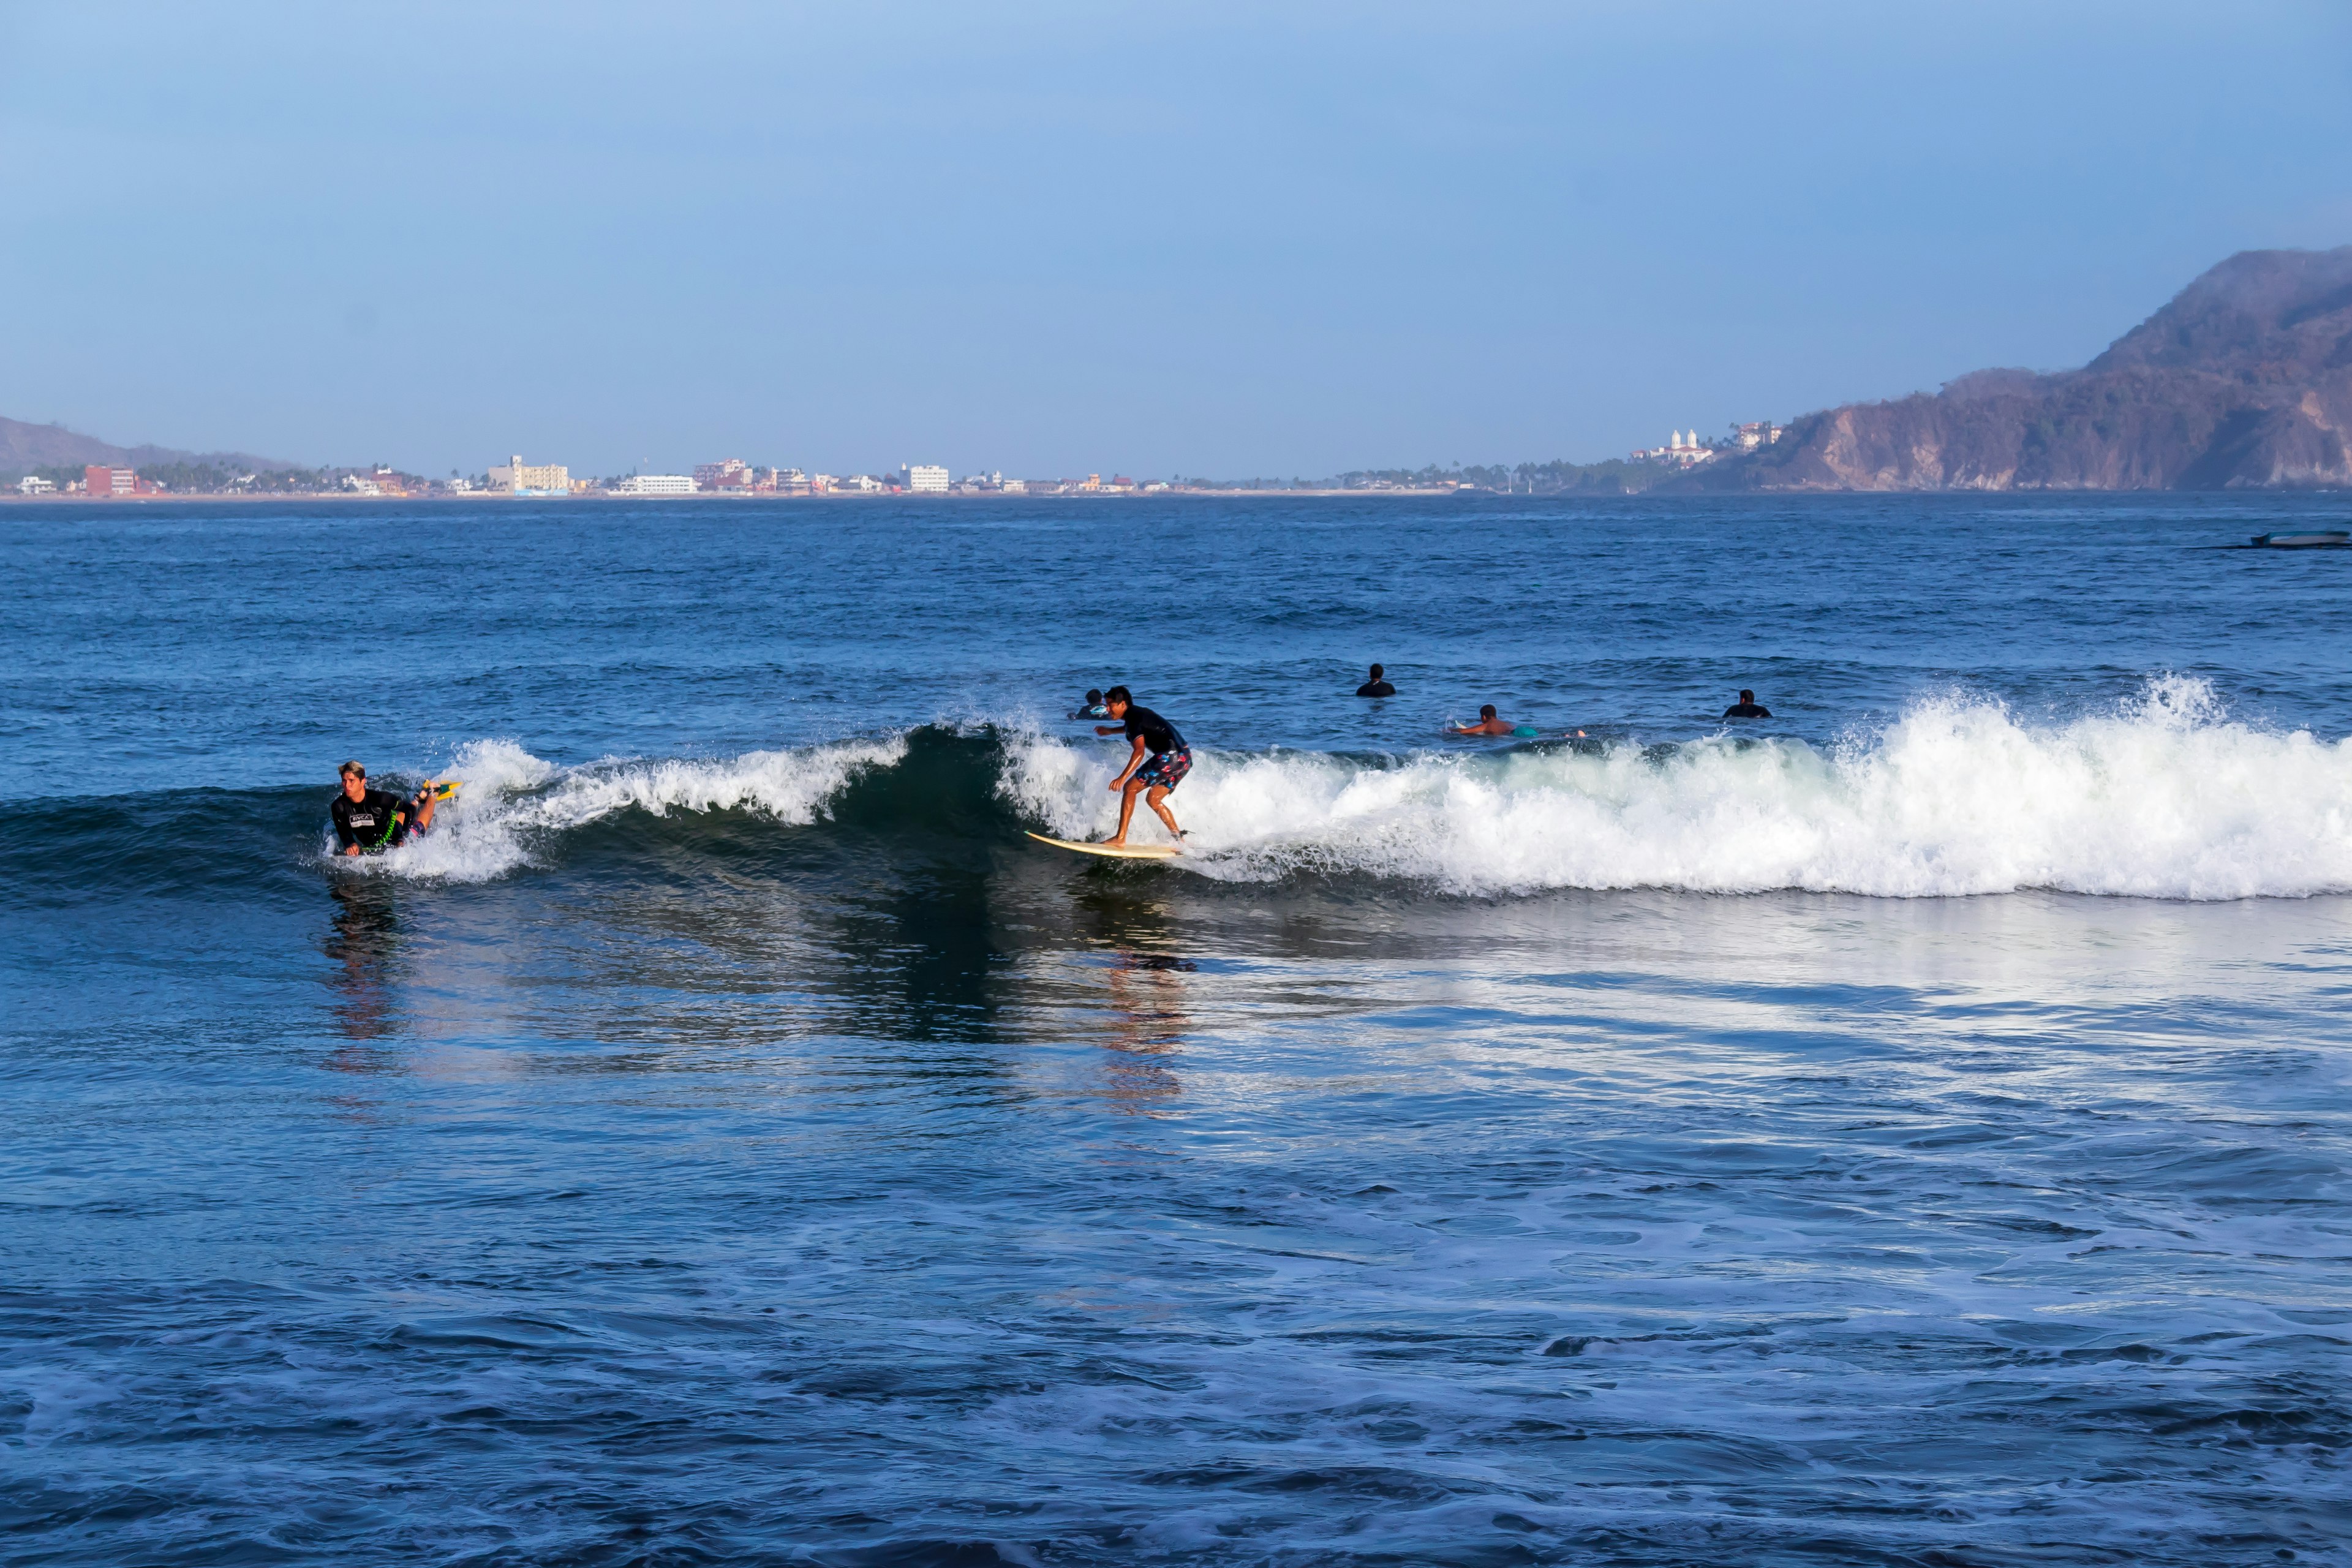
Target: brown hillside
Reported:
point(2244, 379)
point(24, 448)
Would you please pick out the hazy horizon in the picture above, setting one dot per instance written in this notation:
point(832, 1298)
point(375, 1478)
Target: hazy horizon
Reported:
point(1061, 239)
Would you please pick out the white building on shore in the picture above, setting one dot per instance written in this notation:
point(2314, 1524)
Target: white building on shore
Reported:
point(518, 478)
point(925, 479)
point(34, 485)
point(655, 485)
point(1680, 451)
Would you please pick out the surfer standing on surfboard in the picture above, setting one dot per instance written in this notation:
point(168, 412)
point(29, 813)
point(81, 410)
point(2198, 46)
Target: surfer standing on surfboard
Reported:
point(1168, 760)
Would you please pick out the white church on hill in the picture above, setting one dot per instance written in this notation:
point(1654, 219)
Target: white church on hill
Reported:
point(1682, 451)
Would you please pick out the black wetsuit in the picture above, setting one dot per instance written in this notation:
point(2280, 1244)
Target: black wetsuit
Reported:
point(1376, 688)
point(369, 823)
point(1748, 710)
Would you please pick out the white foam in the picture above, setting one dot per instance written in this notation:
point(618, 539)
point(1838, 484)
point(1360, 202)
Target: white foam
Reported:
point(514, 802)
point(2164, 797)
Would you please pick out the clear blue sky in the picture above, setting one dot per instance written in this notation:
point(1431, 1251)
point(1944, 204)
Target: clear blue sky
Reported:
point(1208, 239)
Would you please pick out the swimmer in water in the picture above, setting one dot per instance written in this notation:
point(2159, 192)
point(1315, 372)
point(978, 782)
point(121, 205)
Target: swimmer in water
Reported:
point(1092, 708)
point(1378, 686)
point(370, 821)
point(1746, 707)
point(1487, 724)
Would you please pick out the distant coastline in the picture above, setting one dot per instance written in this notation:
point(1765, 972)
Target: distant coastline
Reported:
point(48, 463)
point(595, 498)
point(2241, 381)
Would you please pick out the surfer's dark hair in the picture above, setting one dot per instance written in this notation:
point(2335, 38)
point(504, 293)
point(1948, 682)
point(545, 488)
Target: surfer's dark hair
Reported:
point(1094, 693)
point(1118, 694)
point(1377, 672)
point(1486, 712)
point(1746, 695)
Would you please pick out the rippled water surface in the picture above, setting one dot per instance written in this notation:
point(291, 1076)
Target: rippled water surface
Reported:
point(1911, 1132)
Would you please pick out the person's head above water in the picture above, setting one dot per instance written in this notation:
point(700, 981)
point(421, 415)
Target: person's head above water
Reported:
point(1486, 710)
point(1093, 695)
point(1746, 695)
point(354, 780)
point(1377, 672)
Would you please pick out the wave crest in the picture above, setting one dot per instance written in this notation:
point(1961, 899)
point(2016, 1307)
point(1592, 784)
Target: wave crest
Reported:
point(513, 801)
point(2165, 797)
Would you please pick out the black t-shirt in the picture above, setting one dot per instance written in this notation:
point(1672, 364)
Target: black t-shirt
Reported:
point(1748, 710)
point(1376, 688)
point(367, 821)
point(1158, 734)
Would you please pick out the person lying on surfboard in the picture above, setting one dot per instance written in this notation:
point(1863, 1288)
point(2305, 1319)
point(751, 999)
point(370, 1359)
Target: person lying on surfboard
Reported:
point(368, 820)
point(1093, 707)
point(1487, 724)
point(1158, 764)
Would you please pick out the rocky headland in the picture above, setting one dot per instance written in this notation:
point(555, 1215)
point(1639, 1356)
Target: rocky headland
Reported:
point(2244, 380)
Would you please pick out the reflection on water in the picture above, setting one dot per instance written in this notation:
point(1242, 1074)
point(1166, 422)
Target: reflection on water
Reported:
point(1147, 1024)
point(919, 961)
point(363, 938)
point(1141, 1005)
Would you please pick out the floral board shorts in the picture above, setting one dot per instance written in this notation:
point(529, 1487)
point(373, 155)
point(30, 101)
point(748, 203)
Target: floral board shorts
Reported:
point(1167, 770)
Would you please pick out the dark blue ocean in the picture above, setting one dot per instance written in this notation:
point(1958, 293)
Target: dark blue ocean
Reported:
point(1912, 1129)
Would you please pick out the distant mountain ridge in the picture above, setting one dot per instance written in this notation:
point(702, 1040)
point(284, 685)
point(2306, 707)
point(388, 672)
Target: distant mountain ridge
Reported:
point(2244, 380)
point(24, 448)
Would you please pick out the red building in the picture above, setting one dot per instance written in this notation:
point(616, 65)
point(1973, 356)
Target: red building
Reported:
point(99, 481)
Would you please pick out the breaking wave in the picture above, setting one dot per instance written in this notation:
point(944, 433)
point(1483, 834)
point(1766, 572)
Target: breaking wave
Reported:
point(2163, 798)
point(512, 802)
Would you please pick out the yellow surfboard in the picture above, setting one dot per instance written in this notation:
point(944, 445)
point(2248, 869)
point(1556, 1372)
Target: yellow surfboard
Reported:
point(444, 788)
point(1115, 851)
